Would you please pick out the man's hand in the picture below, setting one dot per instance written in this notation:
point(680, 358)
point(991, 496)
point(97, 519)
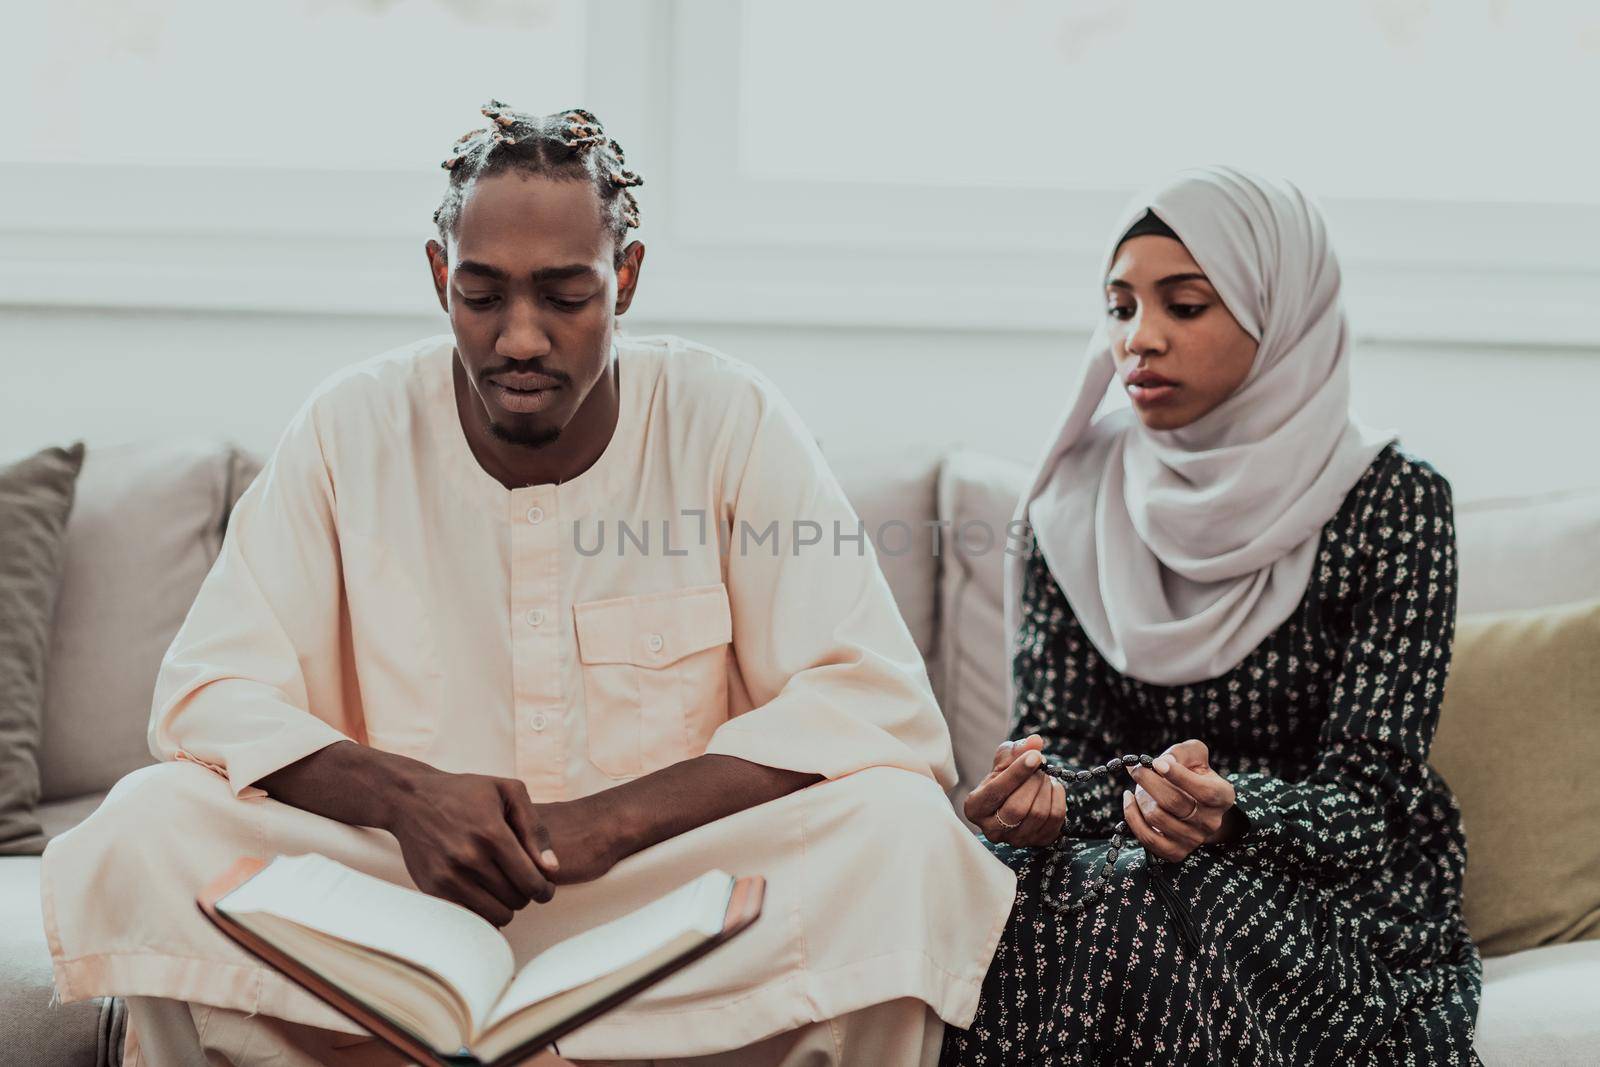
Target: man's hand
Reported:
point(473, 839)
point(1017, 804)
point(585, 833)
point(1181, 803)
point(481, 842)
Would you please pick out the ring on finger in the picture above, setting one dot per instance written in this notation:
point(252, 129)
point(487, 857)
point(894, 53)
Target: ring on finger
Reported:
point(1007, 825)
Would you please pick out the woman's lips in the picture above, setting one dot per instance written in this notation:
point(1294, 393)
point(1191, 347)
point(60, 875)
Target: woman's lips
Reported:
point(523, 401)
point(1151, 390)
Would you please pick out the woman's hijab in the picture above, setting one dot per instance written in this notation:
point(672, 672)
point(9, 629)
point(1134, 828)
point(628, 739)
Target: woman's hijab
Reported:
point(1181, 550)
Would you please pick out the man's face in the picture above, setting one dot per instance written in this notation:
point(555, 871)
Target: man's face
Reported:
point(531, 288)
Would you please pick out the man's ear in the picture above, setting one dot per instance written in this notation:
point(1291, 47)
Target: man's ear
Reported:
point(439, 270)
point(628, 275)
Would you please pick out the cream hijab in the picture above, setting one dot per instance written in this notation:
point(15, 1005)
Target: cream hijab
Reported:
point(1181, 550)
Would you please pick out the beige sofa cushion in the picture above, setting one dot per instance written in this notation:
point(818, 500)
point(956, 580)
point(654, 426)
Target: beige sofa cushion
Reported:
point(1526, 685)
point(243, 466)
point(145, 530)
point(977, 495)
point(893, 494)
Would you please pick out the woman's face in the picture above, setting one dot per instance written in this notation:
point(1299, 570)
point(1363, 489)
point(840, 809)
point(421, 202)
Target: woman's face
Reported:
point(1179, 351)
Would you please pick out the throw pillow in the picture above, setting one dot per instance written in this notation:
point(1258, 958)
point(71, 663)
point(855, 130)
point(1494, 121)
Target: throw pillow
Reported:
point(35, 499)
point(1518, 742)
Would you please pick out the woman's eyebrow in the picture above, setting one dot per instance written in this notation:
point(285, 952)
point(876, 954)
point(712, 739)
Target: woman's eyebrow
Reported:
point(1171, 279)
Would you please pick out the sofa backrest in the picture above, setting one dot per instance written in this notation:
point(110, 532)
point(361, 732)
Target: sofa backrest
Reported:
point(1524, 552)
point(977, 496)
point(145, 527)
point(894, 496)
point(1528, 552)
point(148, 521)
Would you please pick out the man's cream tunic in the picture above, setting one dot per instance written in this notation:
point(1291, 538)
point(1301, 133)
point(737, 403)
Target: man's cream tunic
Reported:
point(703, 587)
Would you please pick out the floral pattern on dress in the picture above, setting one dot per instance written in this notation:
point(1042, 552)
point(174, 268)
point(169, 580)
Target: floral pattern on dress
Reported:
point(1331, 931)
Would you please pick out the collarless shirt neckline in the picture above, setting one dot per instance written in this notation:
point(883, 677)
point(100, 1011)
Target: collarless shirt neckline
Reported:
point(577, 493)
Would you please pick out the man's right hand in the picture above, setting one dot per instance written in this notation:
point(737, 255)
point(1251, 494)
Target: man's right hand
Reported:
point(470, 838)
point(473, 839)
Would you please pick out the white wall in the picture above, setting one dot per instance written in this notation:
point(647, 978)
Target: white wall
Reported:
point(908, 246)
point(1495, 420)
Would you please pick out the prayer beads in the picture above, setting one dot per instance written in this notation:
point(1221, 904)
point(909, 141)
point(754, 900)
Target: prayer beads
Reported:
point(1119, 836)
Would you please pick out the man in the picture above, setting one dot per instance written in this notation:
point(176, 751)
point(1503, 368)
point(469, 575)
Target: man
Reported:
point(527, 618)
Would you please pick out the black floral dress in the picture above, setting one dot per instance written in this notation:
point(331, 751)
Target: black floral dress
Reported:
point(1331, 930)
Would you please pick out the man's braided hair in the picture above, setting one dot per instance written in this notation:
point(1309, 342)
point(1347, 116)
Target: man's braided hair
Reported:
point(568, 144)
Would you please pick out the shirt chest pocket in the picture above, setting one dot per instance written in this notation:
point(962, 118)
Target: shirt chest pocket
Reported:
point(655, 676)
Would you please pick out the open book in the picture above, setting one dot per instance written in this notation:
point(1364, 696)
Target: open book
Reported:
point(438, 983)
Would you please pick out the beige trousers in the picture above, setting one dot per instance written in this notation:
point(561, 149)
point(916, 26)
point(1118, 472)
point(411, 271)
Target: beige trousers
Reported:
point(876, 893)
point(170, 1033)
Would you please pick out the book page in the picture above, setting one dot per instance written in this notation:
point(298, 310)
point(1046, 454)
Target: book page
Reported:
point(324, 895)
point(698, 907)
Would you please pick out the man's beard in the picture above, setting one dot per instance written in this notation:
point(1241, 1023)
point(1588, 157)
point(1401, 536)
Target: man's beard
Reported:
point(524, 439)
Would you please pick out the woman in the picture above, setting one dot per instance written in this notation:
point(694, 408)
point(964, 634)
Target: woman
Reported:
point(1236, 565)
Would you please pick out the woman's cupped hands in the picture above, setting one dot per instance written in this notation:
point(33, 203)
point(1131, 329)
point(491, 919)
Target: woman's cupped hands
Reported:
point(1178, 804)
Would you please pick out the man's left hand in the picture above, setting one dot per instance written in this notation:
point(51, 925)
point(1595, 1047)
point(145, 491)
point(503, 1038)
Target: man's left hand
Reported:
point(583, 833)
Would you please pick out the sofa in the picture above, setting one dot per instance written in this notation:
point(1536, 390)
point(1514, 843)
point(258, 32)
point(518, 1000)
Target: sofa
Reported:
point(149, 519)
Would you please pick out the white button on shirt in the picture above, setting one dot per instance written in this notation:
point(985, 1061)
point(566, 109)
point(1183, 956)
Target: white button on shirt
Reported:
point(538, 722)
point(535, 616)
point(655, 642)
point(536, 514)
